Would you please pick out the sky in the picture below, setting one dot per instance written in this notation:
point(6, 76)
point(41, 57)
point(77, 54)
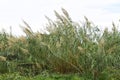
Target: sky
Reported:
point(12, 12)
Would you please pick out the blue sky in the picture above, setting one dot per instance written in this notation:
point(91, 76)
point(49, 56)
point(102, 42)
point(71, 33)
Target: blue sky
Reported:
point(101, 12)
point(113, 8)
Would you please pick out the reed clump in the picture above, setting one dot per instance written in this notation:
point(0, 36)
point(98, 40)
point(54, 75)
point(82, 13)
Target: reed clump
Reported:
point(69, 47)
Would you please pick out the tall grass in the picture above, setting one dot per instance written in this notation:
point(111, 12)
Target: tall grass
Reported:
point(70, 47)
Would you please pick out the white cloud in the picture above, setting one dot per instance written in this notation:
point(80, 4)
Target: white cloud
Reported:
point(95, 10)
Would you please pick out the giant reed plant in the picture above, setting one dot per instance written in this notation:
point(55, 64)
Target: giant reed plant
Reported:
point(69, 47)
point(82, 47)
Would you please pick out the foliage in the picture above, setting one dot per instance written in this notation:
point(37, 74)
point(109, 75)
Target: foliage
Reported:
point(68, 48)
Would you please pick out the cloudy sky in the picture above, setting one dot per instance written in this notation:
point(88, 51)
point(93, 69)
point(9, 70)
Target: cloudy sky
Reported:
point(12, 12)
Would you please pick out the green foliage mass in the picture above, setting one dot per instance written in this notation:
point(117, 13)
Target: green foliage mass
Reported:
point(68, 47)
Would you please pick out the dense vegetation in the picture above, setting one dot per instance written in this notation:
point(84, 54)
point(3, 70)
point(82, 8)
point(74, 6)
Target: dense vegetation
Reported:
point(81, 51)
